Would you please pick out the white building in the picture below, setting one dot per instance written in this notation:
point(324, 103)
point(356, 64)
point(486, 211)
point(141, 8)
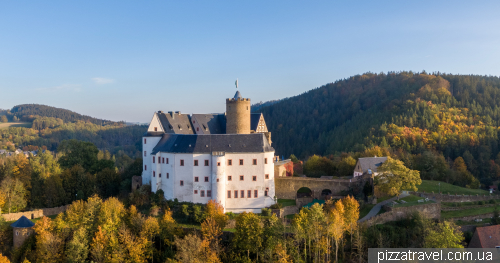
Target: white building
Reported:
point(226, 157)
point(368, 165)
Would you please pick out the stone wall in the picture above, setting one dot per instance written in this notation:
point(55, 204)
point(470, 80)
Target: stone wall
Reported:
point(430, 210)
point(471, 218)
point(287, 210)
point(286, 187)
point(456, 198)
point(456, 208)
point(136, 182)
point(35, 213)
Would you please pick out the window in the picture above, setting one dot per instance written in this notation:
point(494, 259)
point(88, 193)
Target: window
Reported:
point(242, 178)
point(159, 175)
point(17, 233)
point(182, 162)
point(254, 161)
point(144, 153)
point(218, 163)
point(144, 141)
point(163, 160)
point(145, 167)
point(195, 192)
point(228, 194)
point(267, 176)
point(241, 161)
point(156, 129)
point(167, 176)
point(206, 178)
point(153, 159)
point(265, 160)
point(242, 193)
point(254, 178)
point(229, 162)
point(229, 178)
point(206, 162)
point(255, 193)
point(197, 128)
point(195, 162)
point(202, 193)
point(209, 193)
point(154, 174)
point(182, 183)
point(235, 193)
point(196, 178)
point(265, 192)
point(249, 193)
point(217, 180)
point(167, 160)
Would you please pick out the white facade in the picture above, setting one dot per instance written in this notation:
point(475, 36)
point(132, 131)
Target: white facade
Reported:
point(217, 176)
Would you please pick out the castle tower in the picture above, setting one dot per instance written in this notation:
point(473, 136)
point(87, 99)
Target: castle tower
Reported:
point(23, 228)
point(237, 115)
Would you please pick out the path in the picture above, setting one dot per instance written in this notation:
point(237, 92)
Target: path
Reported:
point(378, 206)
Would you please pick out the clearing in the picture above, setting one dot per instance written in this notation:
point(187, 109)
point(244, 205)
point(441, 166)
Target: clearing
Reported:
point(6, 125)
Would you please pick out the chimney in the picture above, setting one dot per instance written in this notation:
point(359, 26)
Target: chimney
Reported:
point(171, 114)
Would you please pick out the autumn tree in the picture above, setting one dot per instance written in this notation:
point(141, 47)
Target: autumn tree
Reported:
point(351, 214)
point(393, 177)
point(4, 259)
point(248, 233)
point(336, 224)
point(214, 223)
point(15, 194)
point(48, 244)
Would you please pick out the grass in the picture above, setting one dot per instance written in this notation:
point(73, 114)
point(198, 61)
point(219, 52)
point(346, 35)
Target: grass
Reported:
point(412, 200)
point(365, 210)
point(429, 186)
point(6, 125)
point(286, 202)
point(381, 199)
point(467, 212)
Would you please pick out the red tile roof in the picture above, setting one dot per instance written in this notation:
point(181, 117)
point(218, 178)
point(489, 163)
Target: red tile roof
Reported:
point(489, 236)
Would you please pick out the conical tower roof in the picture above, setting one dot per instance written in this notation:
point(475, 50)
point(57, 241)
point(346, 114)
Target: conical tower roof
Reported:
point(23, 222)
point(237, 95)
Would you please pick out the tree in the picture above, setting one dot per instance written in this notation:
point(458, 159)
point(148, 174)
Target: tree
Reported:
point(336, 224)
point(351, 214)
point(4, 259)
point(78, 153)
point(394, 177)
point(15, 194)
point(77, 249)
point(248, 234)
point(445, 235)
point(214, 223)
point(48, 244)
point(3, 118)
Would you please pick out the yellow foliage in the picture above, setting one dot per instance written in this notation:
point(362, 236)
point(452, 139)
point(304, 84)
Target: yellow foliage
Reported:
point(4, 259)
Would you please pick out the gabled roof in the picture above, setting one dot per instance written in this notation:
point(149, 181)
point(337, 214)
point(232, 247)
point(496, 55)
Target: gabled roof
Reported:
point(210, 123)
point(208, 143)
point(371, 163)
point(22, 223)
point(489, 236)
point(254, 121)
point(175, 122)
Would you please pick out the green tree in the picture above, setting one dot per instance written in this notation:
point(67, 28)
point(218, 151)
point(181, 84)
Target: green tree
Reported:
point(77, 249)
point(445, 235)
point(248, 233)
point(394, 177)
point(3, 118)
point(15, 194)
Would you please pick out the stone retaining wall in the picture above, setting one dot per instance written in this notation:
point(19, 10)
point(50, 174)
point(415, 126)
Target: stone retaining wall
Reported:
point(447, 208)
point(430, 210)
point(471, 218)
point(35, 213)
point(287, 210)
point(456, 198)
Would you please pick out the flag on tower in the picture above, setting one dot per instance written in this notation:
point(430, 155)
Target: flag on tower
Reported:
point(236, 83)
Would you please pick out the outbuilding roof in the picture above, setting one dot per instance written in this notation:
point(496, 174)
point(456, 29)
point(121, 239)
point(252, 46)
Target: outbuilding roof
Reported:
point(208, 143)
point(371, 163)
point(486, 237)
point(22, 222)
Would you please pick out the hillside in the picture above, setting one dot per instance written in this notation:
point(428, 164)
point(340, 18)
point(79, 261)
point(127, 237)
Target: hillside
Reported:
point(27, 110)
point(452, 115)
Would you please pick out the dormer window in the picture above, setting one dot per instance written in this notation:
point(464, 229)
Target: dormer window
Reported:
point(156, 128)
point(170, 127)
point(180, 128)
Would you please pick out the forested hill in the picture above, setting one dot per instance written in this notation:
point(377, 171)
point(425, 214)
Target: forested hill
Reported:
point(26, 110)
point(451, 114)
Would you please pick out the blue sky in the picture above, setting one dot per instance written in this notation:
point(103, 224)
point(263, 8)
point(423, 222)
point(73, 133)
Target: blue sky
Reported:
point(123, 60)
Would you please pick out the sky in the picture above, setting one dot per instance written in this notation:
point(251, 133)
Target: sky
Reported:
point(124, 60)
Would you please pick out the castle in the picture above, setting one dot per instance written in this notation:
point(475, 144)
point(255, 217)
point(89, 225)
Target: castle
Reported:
point(226, 157)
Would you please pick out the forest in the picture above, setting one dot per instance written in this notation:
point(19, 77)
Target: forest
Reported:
point(435, 117)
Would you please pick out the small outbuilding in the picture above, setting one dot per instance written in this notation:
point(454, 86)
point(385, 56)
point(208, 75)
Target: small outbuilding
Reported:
point(23, 228)
point(368, 166)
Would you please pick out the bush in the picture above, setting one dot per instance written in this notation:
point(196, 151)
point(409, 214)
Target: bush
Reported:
point(231, 215)
point(493, 201)
point(277, 206)
point(266, 211)
point(481, 203)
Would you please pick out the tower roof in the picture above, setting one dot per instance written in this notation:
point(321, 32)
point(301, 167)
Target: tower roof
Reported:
point(237, 95)
point(23, 222)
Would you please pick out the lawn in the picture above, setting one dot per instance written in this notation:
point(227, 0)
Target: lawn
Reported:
point(381, 199)
point(365, 210)
point(429, 186)
point(467, 212)
point(286, 202)
point(6, 125)
point(411, 200)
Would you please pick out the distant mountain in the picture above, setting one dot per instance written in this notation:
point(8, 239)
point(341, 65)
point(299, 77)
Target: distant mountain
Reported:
point(25, 110)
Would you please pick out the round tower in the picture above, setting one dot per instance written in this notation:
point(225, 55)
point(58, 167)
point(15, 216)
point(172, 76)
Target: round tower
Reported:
point(23, 228)
point(237, 115)
point(219, 178)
